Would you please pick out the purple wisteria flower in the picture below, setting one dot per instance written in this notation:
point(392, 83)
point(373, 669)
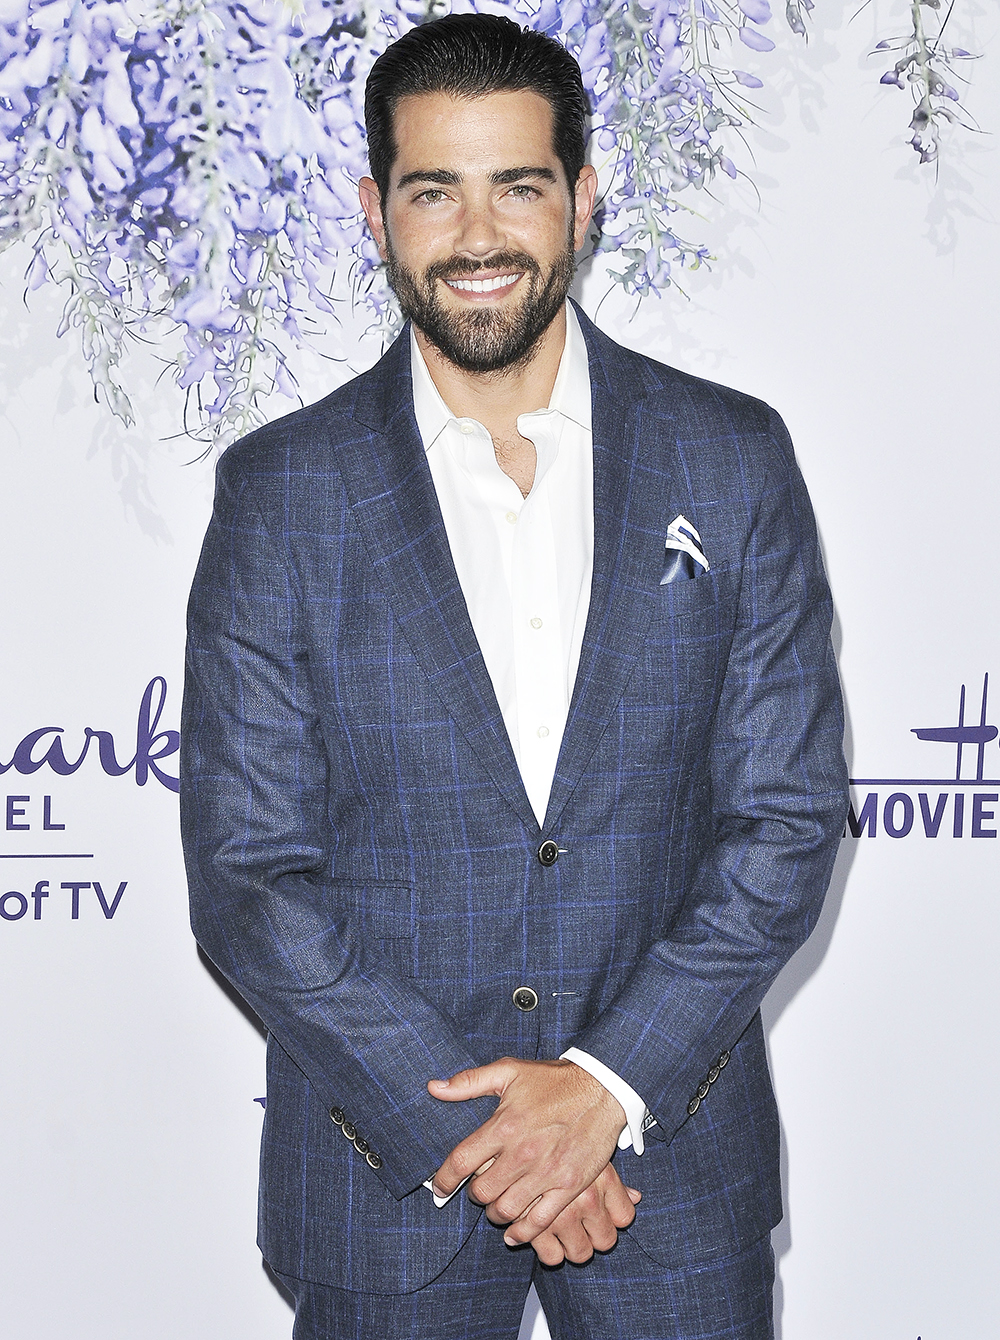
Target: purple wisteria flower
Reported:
point(195, 162)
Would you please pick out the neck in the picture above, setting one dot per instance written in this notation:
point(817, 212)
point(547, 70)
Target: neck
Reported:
point(496, 399)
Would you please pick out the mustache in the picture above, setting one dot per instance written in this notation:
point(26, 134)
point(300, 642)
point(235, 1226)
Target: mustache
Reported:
point(462, 267)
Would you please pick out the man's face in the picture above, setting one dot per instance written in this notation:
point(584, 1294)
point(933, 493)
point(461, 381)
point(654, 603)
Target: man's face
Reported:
point(479, 226)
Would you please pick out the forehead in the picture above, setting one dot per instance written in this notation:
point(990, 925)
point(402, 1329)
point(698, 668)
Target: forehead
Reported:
point(472, 135)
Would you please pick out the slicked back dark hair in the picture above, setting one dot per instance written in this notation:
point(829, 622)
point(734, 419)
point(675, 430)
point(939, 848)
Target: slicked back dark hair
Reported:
point(470, 55)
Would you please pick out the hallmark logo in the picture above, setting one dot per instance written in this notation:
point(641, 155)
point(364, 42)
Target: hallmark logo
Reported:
point(966, 802)
point(152, 746)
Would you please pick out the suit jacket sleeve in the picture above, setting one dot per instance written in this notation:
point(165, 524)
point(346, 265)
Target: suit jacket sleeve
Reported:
point(258, 845)
point(778, 791)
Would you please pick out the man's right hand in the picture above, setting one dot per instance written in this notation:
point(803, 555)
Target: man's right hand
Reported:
point(590, 1223)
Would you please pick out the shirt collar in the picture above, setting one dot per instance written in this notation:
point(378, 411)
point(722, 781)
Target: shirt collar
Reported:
point(570, 393)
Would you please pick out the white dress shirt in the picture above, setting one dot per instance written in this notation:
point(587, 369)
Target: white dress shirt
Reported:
point(525, 568)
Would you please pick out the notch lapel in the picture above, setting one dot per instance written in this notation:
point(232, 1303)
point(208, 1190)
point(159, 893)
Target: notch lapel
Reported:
point(629, 487)
point(392, 496)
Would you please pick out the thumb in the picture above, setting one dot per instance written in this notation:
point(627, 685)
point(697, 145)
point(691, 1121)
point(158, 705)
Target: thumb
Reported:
point(474, 1083)
point(634, 1196)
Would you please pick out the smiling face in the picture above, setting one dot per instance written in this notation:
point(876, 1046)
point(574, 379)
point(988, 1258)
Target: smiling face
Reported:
point(479, 227)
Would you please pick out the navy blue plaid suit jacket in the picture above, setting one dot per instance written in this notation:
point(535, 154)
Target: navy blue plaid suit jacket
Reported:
point(363, 858)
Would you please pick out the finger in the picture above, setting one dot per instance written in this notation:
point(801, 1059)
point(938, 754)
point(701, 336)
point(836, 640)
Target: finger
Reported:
point(601, 1231)
point(506, 1179)
point(585, 1227)
point(591, 1211)
point(498, 1217)
point(476, 1152)
point(618, 1205)
point(577, 1241)
point(540, 1216)
point(514, 1192)
point(474, 1083)
point(549, 1249)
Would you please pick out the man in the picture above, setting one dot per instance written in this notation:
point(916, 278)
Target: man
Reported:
point(512, 768)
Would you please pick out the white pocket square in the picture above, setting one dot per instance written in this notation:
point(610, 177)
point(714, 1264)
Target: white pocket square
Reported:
point(684, 555)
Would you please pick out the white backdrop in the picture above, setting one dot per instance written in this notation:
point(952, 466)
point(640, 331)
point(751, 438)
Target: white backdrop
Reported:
point(860, 300)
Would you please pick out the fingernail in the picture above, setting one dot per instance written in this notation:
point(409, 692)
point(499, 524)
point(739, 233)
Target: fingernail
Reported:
point(511, 1242)
point(445, 1082)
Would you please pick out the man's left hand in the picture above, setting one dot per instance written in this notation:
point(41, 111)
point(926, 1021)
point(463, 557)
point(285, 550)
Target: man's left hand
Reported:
point(551, 1135)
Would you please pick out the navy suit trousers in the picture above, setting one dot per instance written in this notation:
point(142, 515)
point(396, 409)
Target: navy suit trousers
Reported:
point(622, 1293)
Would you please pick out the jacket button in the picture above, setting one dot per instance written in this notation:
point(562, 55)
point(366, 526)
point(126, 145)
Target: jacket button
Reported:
point(723, 1060)
point(713, 1074)
point(703, 1088)
point(373, 1160)
point(348, 1130)
point(548, 852)
point(362, 1146)
point(693, 1106)
point(337, 1116)
point(524, 998)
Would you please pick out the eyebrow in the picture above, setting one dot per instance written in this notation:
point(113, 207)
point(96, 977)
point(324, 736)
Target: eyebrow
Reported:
point(444, 177)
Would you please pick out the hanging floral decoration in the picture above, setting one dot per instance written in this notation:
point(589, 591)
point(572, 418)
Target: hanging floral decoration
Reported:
point(191, 165)
point(925, 66)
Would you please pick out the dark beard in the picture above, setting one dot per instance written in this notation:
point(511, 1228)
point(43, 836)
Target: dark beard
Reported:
point(483, 341)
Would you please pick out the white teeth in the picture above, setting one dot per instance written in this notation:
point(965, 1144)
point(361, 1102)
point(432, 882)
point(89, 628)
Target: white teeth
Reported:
point(483, 285)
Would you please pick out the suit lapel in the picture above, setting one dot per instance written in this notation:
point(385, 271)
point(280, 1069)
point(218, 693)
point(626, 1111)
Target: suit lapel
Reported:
point(392, 495)
point(629, 531)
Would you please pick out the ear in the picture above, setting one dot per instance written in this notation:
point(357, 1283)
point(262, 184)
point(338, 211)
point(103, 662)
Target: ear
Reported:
point(584, 196)
point(371, 203)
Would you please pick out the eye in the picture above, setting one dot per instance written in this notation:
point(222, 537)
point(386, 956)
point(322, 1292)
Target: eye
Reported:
point(522, 191)
point(431, 196)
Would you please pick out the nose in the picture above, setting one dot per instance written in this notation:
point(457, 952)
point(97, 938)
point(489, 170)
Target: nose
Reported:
point(480, 232)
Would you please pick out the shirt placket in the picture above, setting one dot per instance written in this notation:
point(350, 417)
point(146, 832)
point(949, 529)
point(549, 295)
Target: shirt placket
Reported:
point(537, 629)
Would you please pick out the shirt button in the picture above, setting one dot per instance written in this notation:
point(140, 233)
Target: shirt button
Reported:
point(536, 623)
point(512, 518)
point(525, 999)
point(466, 427)
point(542, 732)
point(548, 852)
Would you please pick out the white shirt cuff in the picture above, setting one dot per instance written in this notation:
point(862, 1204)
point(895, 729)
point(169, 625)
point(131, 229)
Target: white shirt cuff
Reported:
point(638, 1117)
point(442, 1200)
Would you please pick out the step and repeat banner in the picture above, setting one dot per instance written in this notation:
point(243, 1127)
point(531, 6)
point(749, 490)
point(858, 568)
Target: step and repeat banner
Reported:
point(858, 295)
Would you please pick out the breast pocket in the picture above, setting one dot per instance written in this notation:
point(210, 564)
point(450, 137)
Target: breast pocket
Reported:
point(688, 638)
point(676, 598)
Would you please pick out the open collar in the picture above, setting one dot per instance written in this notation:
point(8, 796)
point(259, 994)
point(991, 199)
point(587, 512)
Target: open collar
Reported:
point(570, 392)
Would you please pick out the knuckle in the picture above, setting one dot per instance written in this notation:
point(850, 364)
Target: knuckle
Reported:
point(530, 1152)
point(460, 1161)
point(541, 1215)
point(504, 1211)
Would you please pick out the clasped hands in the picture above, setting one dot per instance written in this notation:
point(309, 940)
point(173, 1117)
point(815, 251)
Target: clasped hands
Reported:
point(540, 1163)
